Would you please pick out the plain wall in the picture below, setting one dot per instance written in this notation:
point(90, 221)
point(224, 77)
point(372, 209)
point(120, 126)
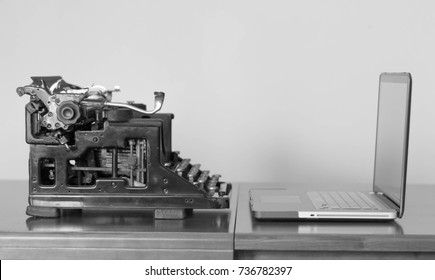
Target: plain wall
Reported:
point(261, 90)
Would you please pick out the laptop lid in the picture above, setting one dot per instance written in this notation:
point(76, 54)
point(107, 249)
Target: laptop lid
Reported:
point(394, 107)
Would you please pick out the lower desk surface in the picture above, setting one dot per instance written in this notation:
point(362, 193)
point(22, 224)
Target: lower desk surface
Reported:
point(412, 237)
point(212, 234)
point(208, 234)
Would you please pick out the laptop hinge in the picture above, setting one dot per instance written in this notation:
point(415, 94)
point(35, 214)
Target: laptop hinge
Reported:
point(387, 201)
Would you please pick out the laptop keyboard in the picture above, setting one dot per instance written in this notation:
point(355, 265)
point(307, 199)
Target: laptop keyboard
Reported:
point(343, 200)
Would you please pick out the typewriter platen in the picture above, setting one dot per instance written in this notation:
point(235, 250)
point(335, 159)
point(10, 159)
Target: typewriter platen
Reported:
point(87, 152)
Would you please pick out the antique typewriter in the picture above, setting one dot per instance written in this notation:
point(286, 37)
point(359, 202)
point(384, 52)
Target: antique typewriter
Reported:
point(87, 152)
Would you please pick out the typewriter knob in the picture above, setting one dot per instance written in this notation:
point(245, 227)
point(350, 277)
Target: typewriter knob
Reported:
point(68, 112)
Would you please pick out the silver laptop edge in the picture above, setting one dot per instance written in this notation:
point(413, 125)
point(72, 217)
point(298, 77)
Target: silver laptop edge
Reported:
point(398, 202)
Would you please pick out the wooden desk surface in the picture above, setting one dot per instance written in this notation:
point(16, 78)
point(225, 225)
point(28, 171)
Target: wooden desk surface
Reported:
point(411, 237)
point(208, 234)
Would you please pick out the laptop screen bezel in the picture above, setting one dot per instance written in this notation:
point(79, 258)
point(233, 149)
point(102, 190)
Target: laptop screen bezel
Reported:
point(406, 79)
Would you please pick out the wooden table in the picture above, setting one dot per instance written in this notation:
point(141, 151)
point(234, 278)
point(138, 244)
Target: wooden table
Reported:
point(212, 234)
point(412, 237)
point(208, 234)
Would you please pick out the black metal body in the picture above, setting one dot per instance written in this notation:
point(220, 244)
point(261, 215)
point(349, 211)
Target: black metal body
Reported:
point(116, 160)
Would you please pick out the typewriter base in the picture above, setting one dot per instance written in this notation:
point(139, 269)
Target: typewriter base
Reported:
point(45, 212)
point(159, 214)
point(173, 207)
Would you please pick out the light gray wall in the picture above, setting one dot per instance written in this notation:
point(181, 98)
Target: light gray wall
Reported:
point(261, 90)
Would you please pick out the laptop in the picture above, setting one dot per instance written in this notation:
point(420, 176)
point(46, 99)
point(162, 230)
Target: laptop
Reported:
point(386, 199)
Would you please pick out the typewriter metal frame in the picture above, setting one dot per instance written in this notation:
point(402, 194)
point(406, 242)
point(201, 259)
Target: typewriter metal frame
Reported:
point(109, 155)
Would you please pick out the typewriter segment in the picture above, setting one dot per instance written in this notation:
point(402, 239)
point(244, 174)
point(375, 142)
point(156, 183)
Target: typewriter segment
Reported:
point(87, 152)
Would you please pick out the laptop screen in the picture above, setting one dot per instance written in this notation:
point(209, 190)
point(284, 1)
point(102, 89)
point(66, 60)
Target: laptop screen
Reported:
point(392, 136)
